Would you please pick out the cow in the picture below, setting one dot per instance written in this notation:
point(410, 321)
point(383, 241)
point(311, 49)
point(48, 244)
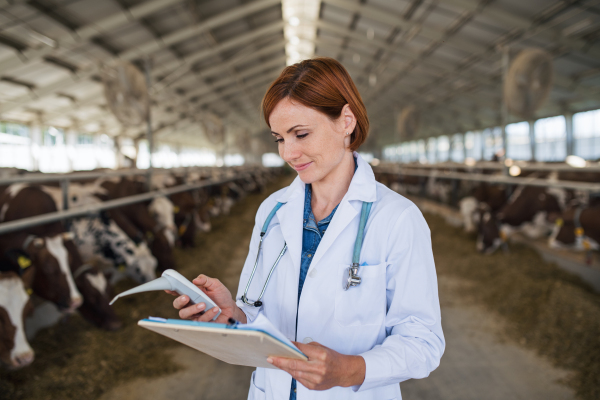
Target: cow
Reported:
point(162, 210)
point(101, 239)
point(94, 288)
point(136, 221)
point(529, 210)
point(16, 274)
point(577, 228)
point(53, 275)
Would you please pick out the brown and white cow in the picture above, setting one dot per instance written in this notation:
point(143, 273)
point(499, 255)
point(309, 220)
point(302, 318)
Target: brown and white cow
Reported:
point(577, 228)
point(530, 210)
point(53, 279)
point(137, 222)
point(16, 274)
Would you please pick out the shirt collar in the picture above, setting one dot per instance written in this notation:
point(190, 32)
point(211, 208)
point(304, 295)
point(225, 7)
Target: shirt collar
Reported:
point(363, 186)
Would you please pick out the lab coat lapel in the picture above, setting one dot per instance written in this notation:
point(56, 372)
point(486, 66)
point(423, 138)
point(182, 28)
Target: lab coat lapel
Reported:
point(290, 218)
point(345, 213)
point(362, 188)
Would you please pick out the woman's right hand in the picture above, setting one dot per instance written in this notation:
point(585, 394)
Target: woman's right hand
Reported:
point(218, 293)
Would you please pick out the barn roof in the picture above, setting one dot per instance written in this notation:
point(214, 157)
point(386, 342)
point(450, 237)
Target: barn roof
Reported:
point(443, 56)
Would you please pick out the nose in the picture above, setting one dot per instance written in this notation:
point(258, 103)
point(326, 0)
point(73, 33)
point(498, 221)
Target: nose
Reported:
point(289, 152)
point(22, 359)
point(76, 302)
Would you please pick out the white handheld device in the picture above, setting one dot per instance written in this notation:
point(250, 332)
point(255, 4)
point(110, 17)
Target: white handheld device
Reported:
point(173, 280)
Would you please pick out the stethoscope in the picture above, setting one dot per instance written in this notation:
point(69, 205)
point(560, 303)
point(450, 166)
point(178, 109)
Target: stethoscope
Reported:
point(351, 280)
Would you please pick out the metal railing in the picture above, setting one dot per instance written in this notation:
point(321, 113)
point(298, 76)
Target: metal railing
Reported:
point(90, 210)
point(492, 179)
point(497, 166)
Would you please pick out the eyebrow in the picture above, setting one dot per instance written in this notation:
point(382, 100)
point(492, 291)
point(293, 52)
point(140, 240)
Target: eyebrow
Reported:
point(289, 130)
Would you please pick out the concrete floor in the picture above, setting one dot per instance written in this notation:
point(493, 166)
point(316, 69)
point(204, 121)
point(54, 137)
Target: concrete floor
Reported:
point(478, 364)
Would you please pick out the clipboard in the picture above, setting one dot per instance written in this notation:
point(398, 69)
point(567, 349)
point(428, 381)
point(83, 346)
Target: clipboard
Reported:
point(224, 342)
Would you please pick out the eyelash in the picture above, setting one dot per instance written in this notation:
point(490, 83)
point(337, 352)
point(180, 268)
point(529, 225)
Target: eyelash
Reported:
point(298, 136)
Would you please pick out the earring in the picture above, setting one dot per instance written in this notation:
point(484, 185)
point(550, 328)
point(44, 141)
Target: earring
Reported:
point(347, 133)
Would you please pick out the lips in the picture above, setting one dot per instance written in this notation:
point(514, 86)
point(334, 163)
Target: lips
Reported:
point(301, 167)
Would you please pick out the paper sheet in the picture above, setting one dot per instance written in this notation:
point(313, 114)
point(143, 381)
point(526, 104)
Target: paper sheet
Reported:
point(262, 323)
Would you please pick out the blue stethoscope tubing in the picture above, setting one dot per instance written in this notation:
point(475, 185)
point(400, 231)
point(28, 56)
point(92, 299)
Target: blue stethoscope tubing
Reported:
point(353, 278)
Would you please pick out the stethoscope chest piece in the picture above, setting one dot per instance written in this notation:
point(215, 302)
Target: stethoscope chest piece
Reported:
point(352, 279)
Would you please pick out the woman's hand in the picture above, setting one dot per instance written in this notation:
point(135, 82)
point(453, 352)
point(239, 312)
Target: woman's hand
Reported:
point(324, 369)
point(218, 293)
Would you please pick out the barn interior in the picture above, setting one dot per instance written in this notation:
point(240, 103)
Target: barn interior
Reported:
point(484, 113)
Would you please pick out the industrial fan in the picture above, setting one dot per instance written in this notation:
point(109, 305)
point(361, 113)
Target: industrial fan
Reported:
point(409, 121)
point(126, 93)
point(213, 127)
point(528, 82)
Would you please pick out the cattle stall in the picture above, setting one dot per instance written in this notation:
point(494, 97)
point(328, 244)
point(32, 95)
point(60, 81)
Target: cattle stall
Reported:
point(63, 249)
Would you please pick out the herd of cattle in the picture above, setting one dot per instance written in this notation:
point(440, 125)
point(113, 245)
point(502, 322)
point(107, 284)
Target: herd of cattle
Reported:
point(569, 219)
point(74, 264)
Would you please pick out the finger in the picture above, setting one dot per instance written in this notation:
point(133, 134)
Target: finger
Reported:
point(191, 311)
point(288, 364)
point(313, 350)
point(180, 302)
point(206, 282)
point(208, 315)
point(172, 292)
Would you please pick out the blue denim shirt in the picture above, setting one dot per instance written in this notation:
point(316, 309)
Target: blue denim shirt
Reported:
point(311, 237)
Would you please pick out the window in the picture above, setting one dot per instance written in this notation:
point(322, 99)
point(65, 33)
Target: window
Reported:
point(492, 141)
point(474, 145)
point(53, 136)
point(431, 150)
point(517, 140)
point(443, 148)
point(457, 154)
point(550, 139)
point(586, 134)
point(85, 139)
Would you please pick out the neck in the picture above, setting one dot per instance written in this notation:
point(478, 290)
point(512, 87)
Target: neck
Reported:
point(329, 191)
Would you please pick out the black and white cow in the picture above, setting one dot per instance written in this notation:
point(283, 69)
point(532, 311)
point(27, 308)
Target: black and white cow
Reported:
point(100, 238)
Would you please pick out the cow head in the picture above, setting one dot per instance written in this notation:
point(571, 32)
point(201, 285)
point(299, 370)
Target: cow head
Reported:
point(93, 286)
point(489, 235)
point(16, 274)
point(53, 279)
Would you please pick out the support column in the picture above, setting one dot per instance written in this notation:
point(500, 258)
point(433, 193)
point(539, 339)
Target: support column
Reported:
point(532, 139)
point(149, 135)
point(504, 108)
point(35, 145)
point(569, 132)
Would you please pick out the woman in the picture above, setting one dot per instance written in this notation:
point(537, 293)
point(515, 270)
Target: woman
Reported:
point(361, 339)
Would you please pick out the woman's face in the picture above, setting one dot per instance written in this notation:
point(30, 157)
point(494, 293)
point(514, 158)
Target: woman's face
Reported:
point(308, 140)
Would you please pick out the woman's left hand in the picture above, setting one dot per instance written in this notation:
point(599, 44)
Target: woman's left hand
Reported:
point(324, 369)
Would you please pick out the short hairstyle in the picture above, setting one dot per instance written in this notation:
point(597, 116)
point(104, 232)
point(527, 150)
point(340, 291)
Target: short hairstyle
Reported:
point(322, 84)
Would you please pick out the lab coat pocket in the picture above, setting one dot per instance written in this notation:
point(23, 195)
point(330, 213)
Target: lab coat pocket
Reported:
point(364, 304)
point(255, 392)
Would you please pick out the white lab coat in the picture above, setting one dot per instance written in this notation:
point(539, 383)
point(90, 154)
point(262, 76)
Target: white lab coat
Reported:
point(392, 319)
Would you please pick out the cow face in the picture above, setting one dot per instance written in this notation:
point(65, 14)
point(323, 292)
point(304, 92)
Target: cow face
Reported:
point(53, 279)
point(93, 286)
point(489, 235)
point(161, 249)
point(15, 305)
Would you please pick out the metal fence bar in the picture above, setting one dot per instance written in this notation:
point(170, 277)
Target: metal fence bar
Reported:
point(489, 165)
point(76, 176)
point(497, 179)
point(107, 205)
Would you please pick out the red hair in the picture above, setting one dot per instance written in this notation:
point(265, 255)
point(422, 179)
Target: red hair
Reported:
point(322, 84)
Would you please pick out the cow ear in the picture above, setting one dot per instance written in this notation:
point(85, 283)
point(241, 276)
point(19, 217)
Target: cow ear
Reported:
point(38, 243)
point(18, 261)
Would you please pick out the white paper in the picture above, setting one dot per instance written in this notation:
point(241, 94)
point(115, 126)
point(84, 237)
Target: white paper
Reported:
point(262, 323)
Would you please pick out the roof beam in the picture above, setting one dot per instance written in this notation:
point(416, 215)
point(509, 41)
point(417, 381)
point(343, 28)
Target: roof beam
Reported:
point(85, 33)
